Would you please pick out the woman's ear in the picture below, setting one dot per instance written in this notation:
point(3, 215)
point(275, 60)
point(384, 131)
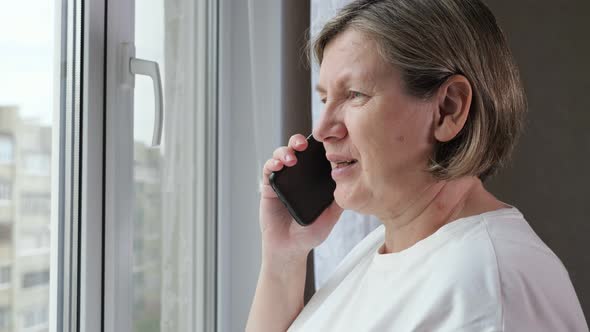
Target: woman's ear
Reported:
point(452, 109)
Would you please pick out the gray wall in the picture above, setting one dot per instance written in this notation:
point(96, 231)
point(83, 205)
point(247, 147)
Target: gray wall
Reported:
point(549, 179)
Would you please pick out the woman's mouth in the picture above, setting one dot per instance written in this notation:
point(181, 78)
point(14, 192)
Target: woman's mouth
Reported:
point(343, 169)
point(345, 163)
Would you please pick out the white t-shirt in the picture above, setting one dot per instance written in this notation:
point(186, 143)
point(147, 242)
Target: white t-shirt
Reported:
point(483, 273)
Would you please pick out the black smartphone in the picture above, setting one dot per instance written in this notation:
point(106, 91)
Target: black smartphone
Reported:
point(307, 188)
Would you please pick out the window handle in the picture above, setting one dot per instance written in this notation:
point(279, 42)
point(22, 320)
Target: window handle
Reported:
point(151, 69)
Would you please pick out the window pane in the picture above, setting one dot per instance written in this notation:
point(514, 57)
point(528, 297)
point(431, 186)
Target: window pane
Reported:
point(147, 214)
point(6, 149)
point(165, 202)
point(5, 192)
point(28, 42)
point(5, 276)
point(36, 163)
point(35, 278)
point(5, 315)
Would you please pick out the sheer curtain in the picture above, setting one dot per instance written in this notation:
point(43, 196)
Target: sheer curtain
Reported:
point(352, 227)
point(249, 130)
point(178, 168)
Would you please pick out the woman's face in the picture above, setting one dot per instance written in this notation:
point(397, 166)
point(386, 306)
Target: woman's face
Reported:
point(368, 119)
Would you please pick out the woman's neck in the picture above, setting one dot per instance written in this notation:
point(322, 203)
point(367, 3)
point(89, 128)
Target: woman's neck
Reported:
point(441, 203)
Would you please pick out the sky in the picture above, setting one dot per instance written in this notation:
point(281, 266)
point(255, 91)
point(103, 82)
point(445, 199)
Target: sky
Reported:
point(26, 57)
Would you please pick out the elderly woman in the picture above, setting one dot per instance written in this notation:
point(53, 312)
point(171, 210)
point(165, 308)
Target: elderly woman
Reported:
point(423, 102)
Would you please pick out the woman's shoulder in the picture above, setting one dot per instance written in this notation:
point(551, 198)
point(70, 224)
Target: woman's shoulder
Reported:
point(504, 235)
point(520, 252)
point(509, 231)
point(504, 241)
point(488, 253)
point(533, 284)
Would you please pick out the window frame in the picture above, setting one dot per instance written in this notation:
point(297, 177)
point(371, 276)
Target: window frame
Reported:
point(92, 223)
point(76, 251)
point(92, 170)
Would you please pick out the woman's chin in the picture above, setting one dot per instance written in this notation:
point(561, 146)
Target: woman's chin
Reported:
point(345, 197)
point(353, 198)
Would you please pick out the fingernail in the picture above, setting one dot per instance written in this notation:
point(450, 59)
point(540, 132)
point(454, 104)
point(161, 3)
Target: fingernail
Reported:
point(299, 143)
point(288, 158)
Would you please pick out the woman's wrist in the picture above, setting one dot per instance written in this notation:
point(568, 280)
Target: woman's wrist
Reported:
point(284, 266)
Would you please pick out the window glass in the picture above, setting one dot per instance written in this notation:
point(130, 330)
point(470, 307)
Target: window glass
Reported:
point(35, 241)
point(37, 163)
point(5, 276)
point(5, 191)
point(5, 233)
point(35, 204)
point(35, 278)
point(29, 43)
point(35, 318)
point(166, 268)
point(6, 149)
point(5, 314)
point(147, 169)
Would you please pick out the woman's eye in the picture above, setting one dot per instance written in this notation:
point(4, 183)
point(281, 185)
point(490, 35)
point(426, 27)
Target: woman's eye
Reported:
point(355, 94)
point(323, 100)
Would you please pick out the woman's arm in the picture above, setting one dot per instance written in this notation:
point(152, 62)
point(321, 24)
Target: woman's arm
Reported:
point(279, 295)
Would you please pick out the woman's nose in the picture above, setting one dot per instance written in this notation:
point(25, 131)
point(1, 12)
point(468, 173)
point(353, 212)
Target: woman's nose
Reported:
point(329, 128)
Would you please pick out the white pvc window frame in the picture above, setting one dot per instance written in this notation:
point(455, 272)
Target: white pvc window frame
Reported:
point(77, 169)
point(91, 249)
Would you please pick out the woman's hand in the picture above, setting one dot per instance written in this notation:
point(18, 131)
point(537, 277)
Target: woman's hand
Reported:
point(285, 245)
point(283, 238)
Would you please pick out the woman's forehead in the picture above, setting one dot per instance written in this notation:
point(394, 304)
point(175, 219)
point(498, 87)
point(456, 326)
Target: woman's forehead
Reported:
point(350, 45)
point(351, 55)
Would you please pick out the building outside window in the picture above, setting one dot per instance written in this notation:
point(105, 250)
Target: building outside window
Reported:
point(5, 313)
point(5, 276)
point(35, 204)
point(5, 191)
point(37, 163)
point(6, 149)
point(35, 317)
point(34, 241)
point(5, 233)
point(36, 278)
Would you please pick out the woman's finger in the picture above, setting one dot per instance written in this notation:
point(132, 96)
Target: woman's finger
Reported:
point(286, 155)
point(298, 142)
point(271, 165)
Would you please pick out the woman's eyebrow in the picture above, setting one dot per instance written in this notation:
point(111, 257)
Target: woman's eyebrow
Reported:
point(340, 82)
point(343, 80)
